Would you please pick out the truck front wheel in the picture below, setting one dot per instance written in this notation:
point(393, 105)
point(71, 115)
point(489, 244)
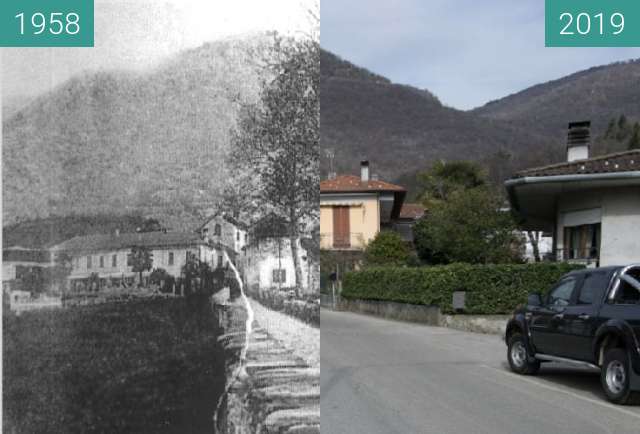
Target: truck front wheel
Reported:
point(519, 357)
point(615, 377)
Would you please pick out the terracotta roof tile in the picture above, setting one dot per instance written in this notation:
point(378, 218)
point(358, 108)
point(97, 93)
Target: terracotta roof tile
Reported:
point(412, 211)
point(351, 183)
point(628, 161)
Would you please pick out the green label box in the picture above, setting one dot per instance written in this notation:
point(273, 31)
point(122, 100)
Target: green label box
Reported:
point(46, 23)
point(592, 23)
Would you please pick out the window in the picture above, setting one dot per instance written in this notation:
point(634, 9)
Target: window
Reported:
point(217, 230)
point(561, 294)
point(88, 262)
point(629, 291)
point(582, 242)
point(101, 261)
point(170, 258)
point(238, 236)
point(279, 276)
point(114, 261)
point(220, 261)
point(593, 288)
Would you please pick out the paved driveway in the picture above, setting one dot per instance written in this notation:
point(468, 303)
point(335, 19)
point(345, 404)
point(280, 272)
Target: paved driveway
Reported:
point(380, 376)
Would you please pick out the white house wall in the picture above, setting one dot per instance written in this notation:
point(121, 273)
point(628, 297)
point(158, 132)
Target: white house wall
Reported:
point(160, 260)
point(230, 235)
point(620, 219)
point(264, 258)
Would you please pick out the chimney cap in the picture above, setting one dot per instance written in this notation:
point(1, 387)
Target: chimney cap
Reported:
point(579, 124)
point(364, 163)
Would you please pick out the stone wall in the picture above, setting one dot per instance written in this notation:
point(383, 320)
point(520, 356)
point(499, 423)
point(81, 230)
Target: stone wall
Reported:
point(274, 391)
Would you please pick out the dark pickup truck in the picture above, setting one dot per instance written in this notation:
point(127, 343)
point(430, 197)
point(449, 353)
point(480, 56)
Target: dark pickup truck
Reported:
point(591, 318)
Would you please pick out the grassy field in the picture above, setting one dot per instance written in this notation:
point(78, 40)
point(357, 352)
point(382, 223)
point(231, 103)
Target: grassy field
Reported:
point(143, 366)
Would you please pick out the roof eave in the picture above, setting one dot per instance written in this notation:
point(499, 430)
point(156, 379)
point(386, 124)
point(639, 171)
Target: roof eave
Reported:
point(575, 177)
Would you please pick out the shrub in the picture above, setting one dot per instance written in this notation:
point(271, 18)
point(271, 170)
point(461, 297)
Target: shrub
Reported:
point(306, 310)
point(491, 289)
point(387, 248)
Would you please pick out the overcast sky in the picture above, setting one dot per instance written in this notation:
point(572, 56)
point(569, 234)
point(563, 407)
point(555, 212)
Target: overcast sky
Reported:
point(136, 34)
point(467, 52)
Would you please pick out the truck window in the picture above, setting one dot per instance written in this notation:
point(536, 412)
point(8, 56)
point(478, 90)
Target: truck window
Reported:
point(593, 288)
point(627, 293)
point(561, 294)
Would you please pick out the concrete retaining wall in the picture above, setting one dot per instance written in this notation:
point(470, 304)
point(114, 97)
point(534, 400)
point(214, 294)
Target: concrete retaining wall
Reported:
point(391, 310)
point(430, 315)
point(489, 324)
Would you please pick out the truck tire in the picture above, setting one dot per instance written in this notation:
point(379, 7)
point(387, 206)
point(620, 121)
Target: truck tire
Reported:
point(615, 377)
point(519, 357)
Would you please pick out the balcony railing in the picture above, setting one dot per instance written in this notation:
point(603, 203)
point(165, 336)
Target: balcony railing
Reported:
point(351, 241)
point(586, 256)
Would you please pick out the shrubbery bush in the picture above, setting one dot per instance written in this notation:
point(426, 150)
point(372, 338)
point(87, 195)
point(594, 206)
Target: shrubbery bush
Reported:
point(491, 289)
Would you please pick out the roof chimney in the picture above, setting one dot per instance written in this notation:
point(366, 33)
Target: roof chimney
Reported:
point(364, 171)
point(578, 141)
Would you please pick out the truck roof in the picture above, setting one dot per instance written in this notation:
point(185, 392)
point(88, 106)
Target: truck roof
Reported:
point(609, 269)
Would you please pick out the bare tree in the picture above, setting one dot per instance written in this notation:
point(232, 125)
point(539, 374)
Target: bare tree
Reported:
point(277, 144)
point(534, 239)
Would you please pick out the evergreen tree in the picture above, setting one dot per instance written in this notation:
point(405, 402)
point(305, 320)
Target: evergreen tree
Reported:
point(634, 141)
point(610, 129)
point(622, 128)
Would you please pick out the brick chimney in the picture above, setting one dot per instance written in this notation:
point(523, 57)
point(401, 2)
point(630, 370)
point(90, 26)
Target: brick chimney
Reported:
point(364, 171)
point(578, 138)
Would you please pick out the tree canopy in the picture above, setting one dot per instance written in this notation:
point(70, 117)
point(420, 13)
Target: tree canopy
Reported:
point(444, 178)
point(387, 248)
point(277, 144)
point(468, 227)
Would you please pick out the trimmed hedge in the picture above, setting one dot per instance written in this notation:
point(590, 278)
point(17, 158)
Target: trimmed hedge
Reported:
point(491, 289)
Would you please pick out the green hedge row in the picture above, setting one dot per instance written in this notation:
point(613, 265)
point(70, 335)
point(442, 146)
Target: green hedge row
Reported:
point(491, 289)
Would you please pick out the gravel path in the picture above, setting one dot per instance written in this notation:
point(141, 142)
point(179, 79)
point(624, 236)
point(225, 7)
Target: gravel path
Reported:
point(301, 339)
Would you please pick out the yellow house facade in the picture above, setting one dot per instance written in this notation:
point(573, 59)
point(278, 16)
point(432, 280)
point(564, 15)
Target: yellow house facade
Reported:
point(354, 209)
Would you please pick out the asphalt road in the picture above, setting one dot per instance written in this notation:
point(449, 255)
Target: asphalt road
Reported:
point(381, 376)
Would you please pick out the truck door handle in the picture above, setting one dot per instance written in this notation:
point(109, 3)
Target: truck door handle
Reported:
point(558, 316)
point(584, 316)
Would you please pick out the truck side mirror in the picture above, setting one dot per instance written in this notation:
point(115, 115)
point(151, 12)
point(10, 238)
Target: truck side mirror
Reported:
point(534, 300)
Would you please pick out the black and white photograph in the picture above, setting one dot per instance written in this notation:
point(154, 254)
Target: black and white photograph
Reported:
point(160, 215)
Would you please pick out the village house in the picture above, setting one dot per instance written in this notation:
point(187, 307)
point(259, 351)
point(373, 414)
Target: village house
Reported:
point(270, 262)
point(224, 229)
point(410, 213)
point(354, 209)
point(107, 256)
point(17, 260)
point(591, 206)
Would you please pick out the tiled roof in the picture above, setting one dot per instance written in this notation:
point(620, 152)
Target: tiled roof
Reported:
point(234, 221)
point(411, 211)
point(628, 161)
point(94, 243)
point(351, 183)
